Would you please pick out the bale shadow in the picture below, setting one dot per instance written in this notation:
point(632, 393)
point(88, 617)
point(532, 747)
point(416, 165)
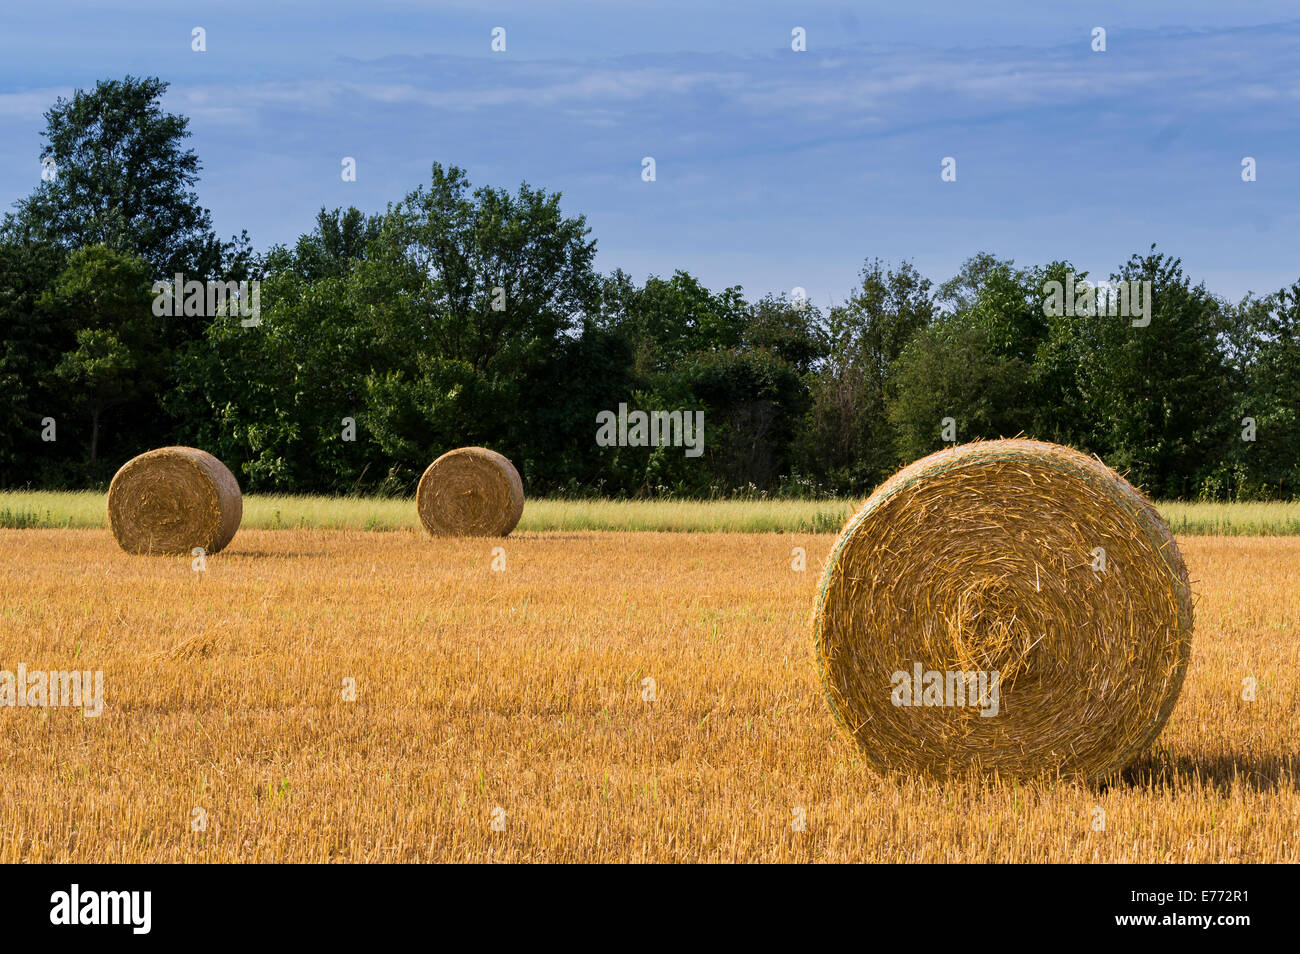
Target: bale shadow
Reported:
point(264, 554)
point(1219, 770)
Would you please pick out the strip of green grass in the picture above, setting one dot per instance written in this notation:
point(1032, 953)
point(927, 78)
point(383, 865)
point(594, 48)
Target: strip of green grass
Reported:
point(36, 509)
point(46, 509)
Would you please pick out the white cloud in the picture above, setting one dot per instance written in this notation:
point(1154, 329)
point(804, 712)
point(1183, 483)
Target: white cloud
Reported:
point(849, 85)
point(31, 103)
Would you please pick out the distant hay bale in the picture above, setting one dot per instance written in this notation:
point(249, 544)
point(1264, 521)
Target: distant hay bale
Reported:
point(1014, 557)
point(172, 500)
point(470, 492)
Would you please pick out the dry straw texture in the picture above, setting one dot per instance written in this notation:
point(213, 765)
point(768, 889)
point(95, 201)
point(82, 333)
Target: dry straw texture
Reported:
point(173, 499)
point(526, 690)
point(981, 558)
point(470, 492)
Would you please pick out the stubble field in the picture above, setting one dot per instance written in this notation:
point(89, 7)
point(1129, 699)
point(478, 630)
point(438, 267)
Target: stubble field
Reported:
point(604, 697)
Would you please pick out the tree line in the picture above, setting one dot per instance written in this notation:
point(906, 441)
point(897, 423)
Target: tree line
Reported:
point(462, 315)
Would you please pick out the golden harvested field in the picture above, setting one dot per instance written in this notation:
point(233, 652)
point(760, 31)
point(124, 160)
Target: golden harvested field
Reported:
point(523, 690)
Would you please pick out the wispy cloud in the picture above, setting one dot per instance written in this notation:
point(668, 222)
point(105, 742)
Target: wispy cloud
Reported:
point(30, 104)
point(775, 168)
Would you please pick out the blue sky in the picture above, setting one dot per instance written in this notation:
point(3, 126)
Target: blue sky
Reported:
point(775, 169)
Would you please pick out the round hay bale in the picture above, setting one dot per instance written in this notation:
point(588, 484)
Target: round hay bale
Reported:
point(470, 492)
point(1038, 574)
point(173, 499)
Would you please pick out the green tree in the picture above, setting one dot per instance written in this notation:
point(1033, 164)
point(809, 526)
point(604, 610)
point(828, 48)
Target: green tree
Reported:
point(339, 239)
point(494, 283)
point(753, 401)
point(270, 400)
point(952, 370)
point(1157, 397)
point(438, 324)
point(668, 318)
point(99, 374)
point(1058, 412)
point(1265, 358)
point(100, 307)
point(29, 350)
point(122, 179)
point(961, 292)
point(850, 438)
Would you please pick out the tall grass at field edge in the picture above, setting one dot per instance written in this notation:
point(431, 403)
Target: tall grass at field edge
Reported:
point(27, 510)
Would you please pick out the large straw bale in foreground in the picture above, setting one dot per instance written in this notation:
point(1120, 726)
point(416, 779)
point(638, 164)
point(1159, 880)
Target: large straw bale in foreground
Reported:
point(1014, 557)
point(173, 499)
point(468, 492)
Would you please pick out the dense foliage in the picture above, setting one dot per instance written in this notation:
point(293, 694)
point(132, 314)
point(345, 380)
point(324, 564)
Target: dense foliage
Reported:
point(463, 315)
